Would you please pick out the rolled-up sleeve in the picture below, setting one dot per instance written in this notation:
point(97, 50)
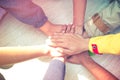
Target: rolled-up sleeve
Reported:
point(25, 11)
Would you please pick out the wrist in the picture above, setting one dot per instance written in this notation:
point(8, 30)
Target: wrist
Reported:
point(78, 25)
point(87, 61)
point(46, 50)
point(86, 43)
point(79, 29)
point(84, 58)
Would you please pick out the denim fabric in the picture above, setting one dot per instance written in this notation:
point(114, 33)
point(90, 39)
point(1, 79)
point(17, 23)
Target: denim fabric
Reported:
point(1, 77)
point(25, 11)
point(56, 71)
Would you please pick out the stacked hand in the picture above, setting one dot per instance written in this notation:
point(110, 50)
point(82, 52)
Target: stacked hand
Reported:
point(70, 28)
point(67, 43)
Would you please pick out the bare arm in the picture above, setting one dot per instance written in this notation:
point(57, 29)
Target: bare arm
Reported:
point(79, 8)
point(10, 55)
point(98, 71)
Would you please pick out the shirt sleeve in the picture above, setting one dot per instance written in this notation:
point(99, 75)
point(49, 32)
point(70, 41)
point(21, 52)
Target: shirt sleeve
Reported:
point(108, 44)
point(25, 11)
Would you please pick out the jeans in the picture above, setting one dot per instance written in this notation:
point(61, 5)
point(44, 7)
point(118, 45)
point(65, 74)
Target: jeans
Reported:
point(56, 71)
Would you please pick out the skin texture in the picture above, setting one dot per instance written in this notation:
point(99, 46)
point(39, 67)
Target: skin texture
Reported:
point(95, 69)
point(17, 54)
point(10, 55)
point(70, 43)
point(49, 28)
point(79, 8)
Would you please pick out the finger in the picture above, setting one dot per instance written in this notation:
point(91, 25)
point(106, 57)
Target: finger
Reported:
point(72, 29)
point(57, 45)
point(63, 29)
point(60, 35)
point(55, 53)
point(57, 40)
point(79, 30)
point(64, 51)
point(52, 43)
point(57, 35)
point(80, 36)
point(68, 29)
point(85, 34)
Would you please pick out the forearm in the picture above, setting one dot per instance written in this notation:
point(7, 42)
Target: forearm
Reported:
point(98, 72)
point(10, 55)
point(85, 44)
point(79, 7)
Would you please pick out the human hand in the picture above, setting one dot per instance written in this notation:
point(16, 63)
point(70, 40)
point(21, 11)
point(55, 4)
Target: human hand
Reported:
point(77, 29)
point(69, 43)
point(79, 58)
point(54, 52)
point(70, 28)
